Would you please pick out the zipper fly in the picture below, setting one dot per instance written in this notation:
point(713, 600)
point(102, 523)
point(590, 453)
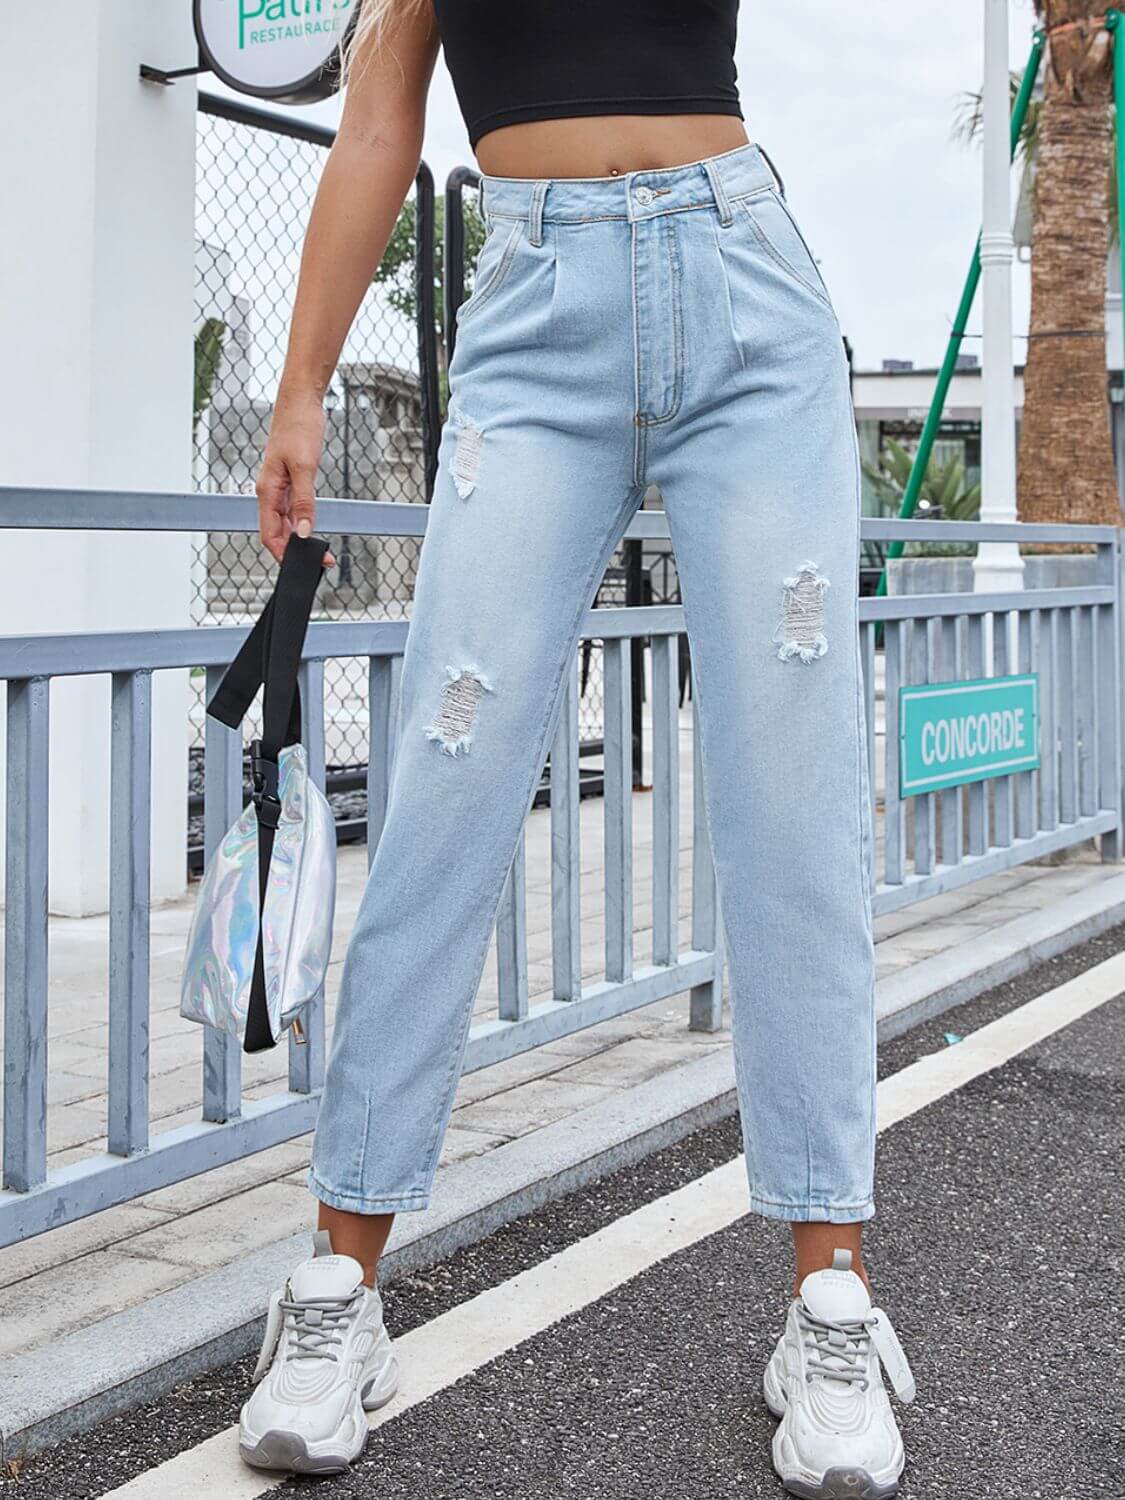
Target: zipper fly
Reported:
point(658, 331)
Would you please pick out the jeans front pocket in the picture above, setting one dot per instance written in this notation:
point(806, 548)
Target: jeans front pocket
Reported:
point(779, 236)
point(493, 264)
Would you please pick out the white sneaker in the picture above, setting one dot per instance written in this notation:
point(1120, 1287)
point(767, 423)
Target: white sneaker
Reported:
point(326, 1360)
point(838, 1439)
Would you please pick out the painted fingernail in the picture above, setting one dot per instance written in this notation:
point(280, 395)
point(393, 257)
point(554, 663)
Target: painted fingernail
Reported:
point(304, 528)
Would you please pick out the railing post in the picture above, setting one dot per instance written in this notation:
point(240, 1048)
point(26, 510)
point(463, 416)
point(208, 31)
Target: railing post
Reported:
point(25, 941)
point(665, 802)
point(633, 549)
point(384, 679)
point(511, 939)
point(1110, 657)
point(1027, 782)
point(130, 835)
point(978, 790)
point(705, 1005)
point(1066, 690)
point(1048, 719)
point(1085, 683)
point(925, 825)
point(952, 798)
point(894, 840)
point(1002, 786)
point(222, 803)
point(566, 859)
point(306, 1052)
point(617, 809)
point(867, 680)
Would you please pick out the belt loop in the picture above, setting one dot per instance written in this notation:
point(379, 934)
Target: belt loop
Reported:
point(777, 177)
point(722, 202)
point(535, 212)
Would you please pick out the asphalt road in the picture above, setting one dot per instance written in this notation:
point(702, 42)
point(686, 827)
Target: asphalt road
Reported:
point(999, 1250)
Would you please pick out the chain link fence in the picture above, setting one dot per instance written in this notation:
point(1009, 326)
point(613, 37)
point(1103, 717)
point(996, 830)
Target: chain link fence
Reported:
point(256, 175)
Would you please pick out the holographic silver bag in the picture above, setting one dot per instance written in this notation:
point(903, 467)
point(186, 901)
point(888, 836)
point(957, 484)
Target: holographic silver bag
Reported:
point(260, 938)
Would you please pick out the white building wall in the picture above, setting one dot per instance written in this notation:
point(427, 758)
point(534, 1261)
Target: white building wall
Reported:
point(96, 327)
point(906, 395)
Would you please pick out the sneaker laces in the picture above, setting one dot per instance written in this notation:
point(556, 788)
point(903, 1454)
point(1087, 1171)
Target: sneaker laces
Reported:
point(840, 1350)
point(318, 1324)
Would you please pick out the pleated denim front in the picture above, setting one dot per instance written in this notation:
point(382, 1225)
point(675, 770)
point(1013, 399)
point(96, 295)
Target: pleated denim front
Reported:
point(666, 327)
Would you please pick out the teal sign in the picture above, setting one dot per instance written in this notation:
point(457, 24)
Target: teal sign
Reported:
point(953, 732)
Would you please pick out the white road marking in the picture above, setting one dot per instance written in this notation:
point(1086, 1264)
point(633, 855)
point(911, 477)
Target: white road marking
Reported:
point(466, 1337)
point(940, 1073)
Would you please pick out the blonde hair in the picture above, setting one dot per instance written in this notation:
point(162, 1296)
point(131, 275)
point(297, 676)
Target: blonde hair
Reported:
point(373, 17)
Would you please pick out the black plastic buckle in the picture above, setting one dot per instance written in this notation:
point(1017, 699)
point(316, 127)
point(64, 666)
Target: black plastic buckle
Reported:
point(264, 778)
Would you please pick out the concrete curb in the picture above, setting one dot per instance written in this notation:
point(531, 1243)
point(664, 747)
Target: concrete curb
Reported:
point(139, 1354)
point(935, 984)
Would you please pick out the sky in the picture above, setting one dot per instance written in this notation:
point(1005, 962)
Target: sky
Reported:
point(856, 104)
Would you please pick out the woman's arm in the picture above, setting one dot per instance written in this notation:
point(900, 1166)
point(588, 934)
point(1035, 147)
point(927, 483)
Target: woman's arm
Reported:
point(366, 178)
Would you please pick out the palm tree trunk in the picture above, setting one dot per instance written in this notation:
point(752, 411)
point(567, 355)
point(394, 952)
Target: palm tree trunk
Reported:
point(1066, 471)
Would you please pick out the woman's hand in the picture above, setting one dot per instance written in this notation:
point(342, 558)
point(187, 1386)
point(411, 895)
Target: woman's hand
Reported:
point(287, 478)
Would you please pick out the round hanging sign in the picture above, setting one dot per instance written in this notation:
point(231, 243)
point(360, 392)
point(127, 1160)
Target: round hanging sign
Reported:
point(288, 50)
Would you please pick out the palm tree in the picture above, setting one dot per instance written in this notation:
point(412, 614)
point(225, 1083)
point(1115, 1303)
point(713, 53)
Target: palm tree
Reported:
point(1065, 463)
point(970, 123)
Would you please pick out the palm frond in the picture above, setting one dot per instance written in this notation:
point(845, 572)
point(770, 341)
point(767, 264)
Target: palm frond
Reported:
point(944, 492)
point(968, 120)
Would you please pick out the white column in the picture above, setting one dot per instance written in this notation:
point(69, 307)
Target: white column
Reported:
point(997, 565)
point(96, 328)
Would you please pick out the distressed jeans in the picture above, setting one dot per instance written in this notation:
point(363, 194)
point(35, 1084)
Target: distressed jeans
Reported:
point(667, 327)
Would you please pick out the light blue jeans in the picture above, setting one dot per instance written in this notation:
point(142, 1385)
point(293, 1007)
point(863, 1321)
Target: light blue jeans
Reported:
point(663, 326)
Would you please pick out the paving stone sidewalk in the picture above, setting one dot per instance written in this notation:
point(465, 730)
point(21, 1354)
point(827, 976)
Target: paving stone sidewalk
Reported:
point(75, 1275)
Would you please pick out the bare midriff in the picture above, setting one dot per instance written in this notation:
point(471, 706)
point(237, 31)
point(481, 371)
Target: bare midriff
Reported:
point(606, 145)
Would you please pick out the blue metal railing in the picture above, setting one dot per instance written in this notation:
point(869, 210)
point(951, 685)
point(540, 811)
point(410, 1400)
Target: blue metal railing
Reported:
point(931, 843)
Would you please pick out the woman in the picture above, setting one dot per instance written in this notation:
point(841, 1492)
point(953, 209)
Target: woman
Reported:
point(645, 310)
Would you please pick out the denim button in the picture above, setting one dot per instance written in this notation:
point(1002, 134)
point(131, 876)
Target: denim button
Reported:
point(644, 195)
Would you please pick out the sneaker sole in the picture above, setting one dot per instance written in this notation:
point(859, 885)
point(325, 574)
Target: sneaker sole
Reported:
point(843, 1484)
point(287, 1451)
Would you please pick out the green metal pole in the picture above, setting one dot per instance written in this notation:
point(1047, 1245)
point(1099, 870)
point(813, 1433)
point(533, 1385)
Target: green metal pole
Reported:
point(949, 363)
point(1113, 22)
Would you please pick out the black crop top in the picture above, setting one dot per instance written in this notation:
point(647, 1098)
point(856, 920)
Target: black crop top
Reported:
point(517, 60)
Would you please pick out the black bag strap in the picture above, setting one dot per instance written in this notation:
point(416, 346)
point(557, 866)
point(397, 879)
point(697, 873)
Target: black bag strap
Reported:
point(271, 654)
